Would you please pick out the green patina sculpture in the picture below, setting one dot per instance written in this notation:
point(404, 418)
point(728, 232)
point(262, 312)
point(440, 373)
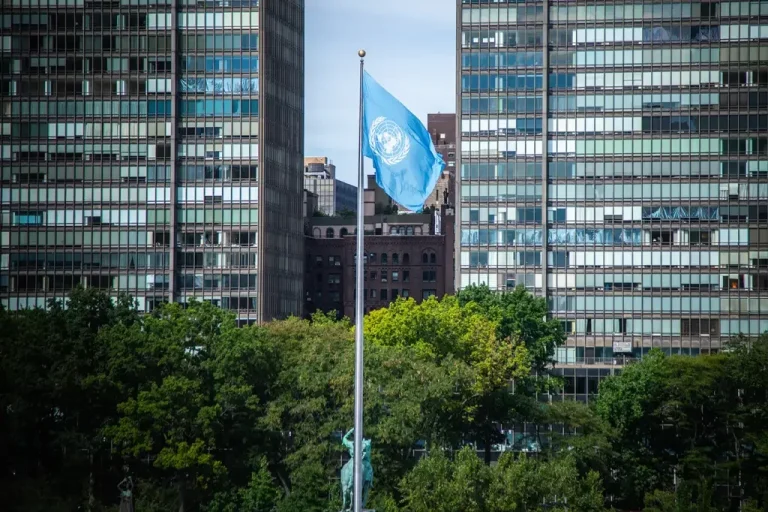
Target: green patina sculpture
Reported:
point(126, 493)
point(348, 472)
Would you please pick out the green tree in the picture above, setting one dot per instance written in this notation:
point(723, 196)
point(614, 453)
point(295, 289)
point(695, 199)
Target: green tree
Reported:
point(260, 495)
point(576, 429)
point(193, 381)
point(52, 404)
point(521, 316)
point(438, 484)
point(688, 497)
point(407, 398)
point(524, 483)
point(346, 213)
point(515, 483)
point(441, 328)
point(672, 420)
point(747, 366)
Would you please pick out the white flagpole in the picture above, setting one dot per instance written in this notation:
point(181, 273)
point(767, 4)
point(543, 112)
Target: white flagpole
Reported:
point(359, 308)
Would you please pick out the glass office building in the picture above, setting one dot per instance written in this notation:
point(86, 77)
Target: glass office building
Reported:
point(614, 158)
point(155, 148)
point(333, 195)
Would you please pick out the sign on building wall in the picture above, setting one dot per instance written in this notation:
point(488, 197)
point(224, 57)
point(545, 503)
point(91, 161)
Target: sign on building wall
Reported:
point(622, 347)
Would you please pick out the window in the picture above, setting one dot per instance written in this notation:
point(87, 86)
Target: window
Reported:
point(383, 294)
point(406, 259)
point(162, 238)
point(406, 276)
point(395, 276)
point(329, 233)
point(699, 327)
point(384, 258)
point(661, 237)
point(698, 237)
point(28, 218)
point(395, 259)
point(243, 238)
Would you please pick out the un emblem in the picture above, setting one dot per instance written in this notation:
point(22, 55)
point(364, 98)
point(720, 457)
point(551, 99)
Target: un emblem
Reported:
point(388, 141)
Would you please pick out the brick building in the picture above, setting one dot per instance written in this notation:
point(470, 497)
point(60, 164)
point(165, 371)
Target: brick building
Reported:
point(408, 255)
point(442, 129)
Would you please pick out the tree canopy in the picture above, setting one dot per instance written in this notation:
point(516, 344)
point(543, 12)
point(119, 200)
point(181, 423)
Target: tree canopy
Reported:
point(206, 416)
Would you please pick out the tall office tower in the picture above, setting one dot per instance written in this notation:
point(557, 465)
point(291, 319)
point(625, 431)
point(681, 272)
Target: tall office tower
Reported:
point(614, 158)
point(154, 148)
point(333, 195)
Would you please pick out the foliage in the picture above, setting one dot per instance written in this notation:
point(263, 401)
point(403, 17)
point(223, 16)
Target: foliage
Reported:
point(313, 404)
point(522, 483)
point(260, 495)
point(388, 209)
point(688, 497)
point(53, 403)
point(521, 316)
point(687, 418)
point(193, 379)
point(209, 417)
point(346, 213)
point(441, 330)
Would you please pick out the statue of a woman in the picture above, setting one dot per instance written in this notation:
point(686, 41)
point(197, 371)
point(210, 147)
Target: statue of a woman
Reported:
point(126, 493)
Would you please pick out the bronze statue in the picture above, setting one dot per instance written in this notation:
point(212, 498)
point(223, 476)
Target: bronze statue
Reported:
point(126, 493)
point(348, 472)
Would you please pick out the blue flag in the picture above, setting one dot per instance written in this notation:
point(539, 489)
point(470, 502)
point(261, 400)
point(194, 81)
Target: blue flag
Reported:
point(407, 165)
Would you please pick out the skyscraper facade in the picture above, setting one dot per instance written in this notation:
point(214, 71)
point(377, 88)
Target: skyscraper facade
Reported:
point(614, 158)
point(153, 148)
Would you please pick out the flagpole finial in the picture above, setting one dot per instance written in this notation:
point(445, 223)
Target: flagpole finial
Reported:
point(361, 53)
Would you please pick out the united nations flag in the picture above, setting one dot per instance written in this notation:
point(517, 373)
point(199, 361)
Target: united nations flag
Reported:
point(407, 165)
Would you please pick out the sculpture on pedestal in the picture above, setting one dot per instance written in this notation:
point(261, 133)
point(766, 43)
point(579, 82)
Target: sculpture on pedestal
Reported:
point(126, 493)
point(348, 472)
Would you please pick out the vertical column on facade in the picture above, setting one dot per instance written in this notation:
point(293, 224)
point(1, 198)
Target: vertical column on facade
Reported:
point(260, 232)
point(173, 231)
point(544, 149)
point(459, 156)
